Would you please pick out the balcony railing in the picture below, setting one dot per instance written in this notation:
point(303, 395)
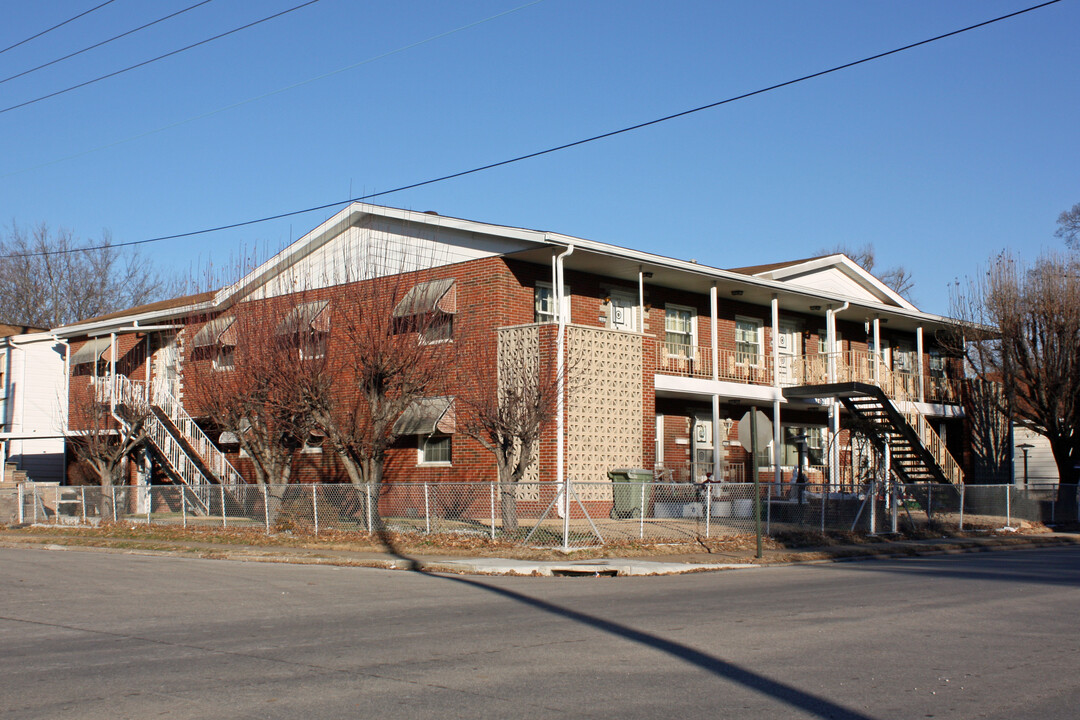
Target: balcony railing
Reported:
point(797, 370)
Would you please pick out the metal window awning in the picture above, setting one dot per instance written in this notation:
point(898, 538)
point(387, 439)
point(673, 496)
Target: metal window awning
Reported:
point(433, 296)
point(217, 331)
point(305, 316)
point(91, 351)
point(426, 416)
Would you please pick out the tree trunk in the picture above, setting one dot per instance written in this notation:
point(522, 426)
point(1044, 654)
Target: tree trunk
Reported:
point(508, 507)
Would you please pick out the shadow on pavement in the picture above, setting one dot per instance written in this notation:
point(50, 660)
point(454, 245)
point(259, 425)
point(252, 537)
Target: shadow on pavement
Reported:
point(782, 692)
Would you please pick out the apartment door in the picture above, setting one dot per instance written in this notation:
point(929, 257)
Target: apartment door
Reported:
point(167, 365)
point(623, 311)
point(788, 341)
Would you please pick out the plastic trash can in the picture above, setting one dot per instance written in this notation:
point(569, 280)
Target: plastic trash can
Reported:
point(626, 491)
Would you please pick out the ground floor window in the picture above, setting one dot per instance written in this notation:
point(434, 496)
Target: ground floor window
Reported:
point(435, 449)
point(815, 441)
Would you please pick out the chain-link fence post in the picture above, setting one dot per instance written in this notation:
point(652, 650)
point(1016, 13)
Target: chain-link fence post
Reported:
point(824, 494)
point(82, 503)
point(112, 493)
point(491, 494)
point(872, 497)
point(962, 507)
point(566, 516)
point(266, 509)
point(22, 503)
point(641, 515)
point(708, 509)
point(427, 510)
point(1008, 506)
point(894, 500)
point(367, 505)
point(315, 506)
point(224, 522)
point(183, 505)
point(56, 505)
point(149, 504)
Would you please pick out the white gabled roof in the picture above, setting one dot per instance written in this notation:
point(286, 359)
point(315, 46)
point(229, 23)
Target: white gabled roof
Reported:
point(838, 274)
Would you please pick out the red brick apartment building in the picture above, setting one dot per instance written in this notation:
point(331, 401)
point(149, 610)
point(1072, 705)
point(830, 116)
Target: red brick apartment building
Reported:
point(669, 356)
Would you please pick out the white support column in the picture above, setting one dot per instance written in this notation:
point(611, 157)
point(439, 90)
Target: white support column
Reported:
point(776, 340)
point(830, 344)
point(714, 311)
point(717, 448)
point(112, 371)
point(776, 441)
point(641, 297)
point(877, 350)
point(919, 351)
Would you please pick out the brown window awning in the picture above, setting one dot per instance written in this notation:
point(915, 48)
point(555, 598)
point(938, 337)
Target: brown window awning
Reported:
point(91, 351)
point(306, 316)
point(218, 331)
point(433, 296)
point(426, 416)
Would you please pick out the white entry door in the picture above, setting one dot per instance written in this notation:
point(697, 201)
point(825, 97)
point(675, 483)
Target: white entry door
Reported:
point(623, 306)
point(788, 341)
point(167, 365)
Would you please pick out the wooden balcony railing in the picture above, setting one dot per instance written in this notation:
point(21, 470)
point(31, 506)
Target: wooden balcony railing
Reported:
point(798, 370)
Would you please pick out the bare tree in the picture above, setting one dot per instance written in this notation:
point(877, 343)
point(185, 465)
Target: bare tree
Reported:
point(393, 347)
point(898, 278)
point(1069, 227)
point(1021, 326)
point(48, 278)
point(509, 415)
point(252, 385)
point(106, 433)
point(986, 411)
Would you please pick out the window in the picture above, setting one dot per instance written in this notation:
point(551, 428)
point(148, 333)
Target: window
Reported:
point(435, 449)
point(679, 330)
point(313, 345)
point(748, 341)
point(225, 357)
point(544, 310)
point(437, 328)
point(789, 454)
point(904, 358)
point(937, 363)
point(823, 341)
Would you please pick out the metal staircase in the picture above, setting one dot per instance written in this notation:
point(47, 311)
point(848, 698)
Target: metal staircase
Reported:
point(917, 452)
point(185, 450)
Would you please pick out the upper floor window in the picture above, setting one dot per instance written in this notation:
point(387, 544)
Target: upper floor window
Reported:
point(749, 340)
point(545, 309)
point(428, 309)
point(679, 330)
point(435, 449)
point(937, 363)
point(823, 341)
point(308, 326)
point(905, 359)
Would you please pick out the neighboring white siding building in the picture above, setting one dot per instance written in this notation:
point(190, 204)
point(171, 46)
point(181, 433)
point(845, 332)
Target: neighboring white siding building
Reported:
point(33, 405)
point(1041, 466)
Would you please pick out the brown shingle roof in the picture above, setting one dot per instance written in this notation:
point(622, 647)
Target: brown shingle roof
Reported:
point(153, 307)
point(757, 269)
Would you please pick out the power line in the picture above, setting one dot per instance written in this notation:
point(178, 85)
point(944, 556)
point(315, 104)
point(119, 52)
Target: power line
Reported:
point(49, 30)
point(159, 57)
point(104, 42)
point(278, 91)
point(550, 150)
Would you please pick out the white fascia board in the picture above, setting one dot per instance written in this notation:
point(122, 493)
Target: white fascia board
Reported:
point(126, 321)
point(848, 266)
point(347, 217)
point(643, 258)
point(723, 388)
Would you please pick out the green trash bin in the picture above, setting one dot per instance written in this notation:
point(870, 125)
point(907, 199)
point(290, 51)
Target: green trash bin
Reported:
point(626, 490)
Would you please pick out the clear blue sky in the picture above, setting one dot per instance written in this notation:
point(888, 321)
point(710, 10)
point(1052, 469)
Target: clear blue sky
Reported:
point(939, 156)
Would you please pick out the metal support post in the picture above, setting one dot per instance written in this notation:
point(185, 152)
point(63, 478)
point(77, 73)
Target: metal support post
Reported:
point(872, 497)
point(112, 491)
point(757, 479)
point(1008, 506)
point(82, 503)
point(961, 507)
point(367, 505)
point(22, 504)
point(895, 498)
point(315, 506)
point(641, 515)
point(566, 516)
point(224, 522)
point(708, 508)
point(427, 511)
point(183, 505)
point(492, 494)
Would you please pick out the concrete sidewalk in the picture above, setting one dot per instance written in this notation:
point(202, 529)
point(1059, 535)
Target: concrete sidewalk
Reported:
point(658, 563)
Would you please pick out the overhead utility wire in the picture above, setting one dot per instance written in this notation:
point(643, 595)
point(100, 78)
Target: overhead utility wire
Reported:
point(159, 57)
point(538, 153)
point(278, 91)
point(104, 42)
point(54, 27)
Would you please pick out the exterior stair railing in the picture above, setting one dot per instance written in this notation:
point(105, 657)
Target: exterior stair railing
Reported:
point(934, 445)
point(193, 434)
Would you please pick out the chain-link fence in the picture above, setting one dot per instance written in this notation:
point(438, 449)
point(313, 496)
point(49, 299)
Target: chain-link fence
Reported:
point(567, 515)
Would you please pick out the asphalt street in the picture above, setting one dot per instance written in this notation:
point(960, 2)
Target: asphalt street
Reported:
point(106, 635)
